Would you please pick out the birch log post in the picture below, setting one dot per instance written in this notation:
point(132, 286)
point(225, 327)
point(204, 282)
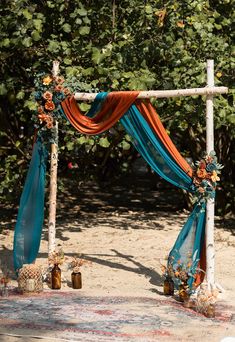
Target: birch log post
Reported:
point(163, 93)
point(53, 182)
point(210, 207)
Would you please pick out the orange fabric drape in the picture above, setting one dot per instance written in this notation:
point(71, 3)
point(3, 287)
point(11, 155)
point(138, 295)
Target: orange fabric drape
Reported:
point(151, 116)
point(114, 107)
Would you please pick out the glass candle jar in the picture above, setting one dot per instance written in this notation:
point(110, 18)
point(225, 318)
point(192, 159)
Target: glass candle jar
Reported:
point(56, 277)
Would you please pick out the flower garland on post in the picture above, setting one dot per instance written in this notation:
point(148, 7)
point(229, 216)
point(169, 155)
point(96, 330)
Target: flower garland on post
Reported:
point(51, 91)
point(205, 177)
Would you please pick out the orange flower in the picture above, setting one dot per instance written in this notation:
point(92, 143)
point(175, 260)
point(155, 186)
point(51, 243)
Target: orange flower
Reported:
point(214, 176)
point(47, 80)
point(59, 80)
point(49, 124)
point(59, 88)
point(202, 164)
point(49, 105)
point(201, 173)
point(40, 110)
point(47, 96)
point(43, 117)
point(201, 190)
point(66, 91)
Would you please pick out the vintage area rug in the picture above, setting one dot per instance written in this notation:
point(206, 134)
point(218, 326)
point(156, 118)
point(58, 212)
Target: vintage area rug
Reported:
point(71, 316)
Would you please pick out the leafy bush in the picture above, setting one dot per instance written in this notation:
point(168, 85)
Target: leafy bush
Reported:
point(116, 45)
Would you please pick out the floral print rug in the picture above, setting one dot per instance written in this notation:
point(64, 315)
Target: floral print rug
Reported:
point(72, 316)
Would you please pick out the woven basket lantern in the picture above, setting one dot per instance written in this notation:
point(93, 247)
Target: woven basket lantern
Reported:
point(30, 278)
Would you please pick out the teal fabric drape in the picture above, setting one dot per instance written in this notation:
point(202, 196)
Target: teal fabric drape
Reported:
point(187, 249)
point(31, 210)
point(152, 149)
point(189, 244)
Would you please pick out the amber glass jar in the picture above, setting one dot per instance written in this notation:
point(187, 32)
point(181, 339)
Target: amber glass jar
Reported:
point(183, 294)
point(56, 277)
point(168, 286)
point(76, 278)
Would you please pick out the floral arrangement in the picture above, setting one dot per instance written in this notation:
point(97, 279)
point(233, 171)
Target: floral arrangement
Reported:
point(51, 91)
point(179, 273)
point(4, 280)
point(205, 177)
point(76, 264)
point(56, 258)
point(205, 299)
point(182, 270)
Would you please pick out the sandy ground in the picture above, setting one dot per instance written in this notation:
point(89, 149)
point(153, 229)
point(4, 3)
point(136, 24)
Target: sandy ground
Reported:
point(126, 239)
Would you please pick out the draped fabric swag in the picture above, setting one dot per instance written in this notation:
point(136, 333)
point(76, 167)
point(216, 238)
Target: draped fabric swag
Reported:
point(149, 137)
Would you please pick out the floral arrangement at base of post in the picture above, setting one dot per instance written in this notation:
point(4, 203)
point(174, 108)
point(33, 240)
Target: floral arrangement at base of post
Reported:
point(206, 300)
point(76, 276)
point(205, 177)
point(180, 272)
point(55, 259)
point(201, 300)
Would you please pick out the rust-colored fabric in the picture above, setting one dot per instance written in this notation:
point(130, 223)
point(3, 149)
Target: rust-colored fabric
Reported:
point(115, 106)
point(202, 266)
point(151, 116)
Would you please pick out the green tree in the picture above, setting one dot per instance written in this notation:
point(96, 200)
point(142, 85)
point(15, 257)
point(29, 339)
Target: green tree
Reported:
point(114, 45)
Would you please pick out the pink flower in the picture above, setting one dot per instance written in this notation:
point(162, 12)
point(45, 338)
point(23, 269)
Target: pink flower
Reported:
point(59, 88)
point(70, 165)
point(47, 96)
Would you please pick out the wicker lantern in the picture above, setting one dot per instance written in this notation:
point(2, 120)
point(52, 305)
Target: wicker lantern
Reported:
point(30, 278)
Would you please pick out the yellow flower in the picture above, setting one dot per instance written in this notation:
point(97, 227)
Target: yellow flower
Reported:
point(219, 74)
point(47, 80)
point(214, 176)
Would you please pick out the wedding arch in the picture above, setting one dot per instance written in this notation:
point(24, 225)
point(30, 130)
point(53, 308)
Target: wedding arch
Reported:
point(191, 252)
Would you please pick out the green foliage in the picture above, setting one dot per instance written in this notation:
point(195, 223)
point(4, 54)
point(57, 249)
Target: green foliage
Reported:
point(108, 45)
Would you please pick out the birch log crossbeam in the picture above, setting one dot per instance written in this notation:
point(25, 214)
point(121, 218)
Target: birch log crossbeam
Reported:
point(164, 93)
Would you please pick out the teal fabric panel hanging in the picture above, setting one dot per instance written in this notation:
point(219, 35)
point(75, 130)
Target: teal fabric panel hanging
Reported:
point(31, 209)
point(152, 150)
point(187, 250)
point(189, 244)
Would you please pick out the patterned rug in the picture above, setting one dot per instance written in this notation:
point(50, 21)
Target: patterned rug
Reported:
point(70, 316)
